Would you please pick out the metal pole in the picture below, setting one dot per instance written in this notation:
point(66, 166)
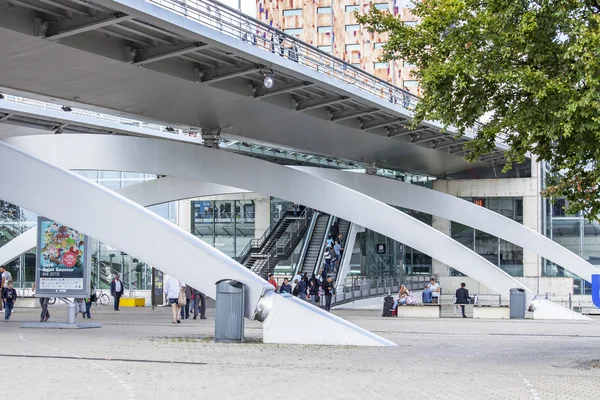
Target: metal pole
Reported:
point(152, 288)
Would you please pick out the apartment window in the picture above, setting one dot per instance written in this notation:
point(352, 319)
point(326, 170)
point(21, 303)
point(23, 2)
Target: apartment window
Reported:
point(407, 64)
point(293, 31)
point(292, 13)
point(352, 8)
point(326, 49)
point(352, 28)
point(410, 84)
point(324, 10)
point(381, 6)
point(324, 29)
point(353, 47)
point(380, 65)
point(378, 45)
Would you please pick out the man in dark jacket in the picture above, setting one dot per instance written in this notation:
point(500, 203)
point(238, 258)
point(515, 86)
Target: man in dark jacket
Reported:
point(462, 297)
point(285, 287)
point(116, 291)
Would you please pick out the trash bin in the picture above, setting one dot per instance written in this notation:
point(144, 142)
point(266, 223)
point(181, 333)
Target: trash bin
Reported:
point(517, 303)
point(229, 319)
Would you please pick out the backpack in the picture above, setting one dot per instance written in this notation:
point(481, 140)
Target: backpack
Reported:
point(296, 290)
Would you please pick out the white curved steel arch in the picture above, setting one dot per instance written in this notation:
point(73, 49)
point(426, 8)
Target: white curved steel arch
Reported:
point(455, 209)
point(64, 196)
point(149, 193)
point(121, 153)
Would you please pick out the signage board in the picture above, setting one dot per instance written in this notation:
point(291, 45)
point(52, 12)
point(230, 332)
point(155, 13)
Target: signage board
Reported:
point(63, 261)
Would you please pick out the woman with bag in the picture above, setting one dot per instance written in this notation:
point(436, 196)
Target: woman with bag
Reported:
point(175, 292)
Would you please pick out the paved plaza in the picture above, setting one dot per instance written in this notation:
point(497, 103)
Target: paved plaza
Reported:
point(139, 354)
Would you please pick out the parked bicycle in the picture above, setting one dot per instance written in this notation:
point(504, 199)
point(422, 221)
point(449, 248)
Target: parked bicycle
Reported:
point(101, 299)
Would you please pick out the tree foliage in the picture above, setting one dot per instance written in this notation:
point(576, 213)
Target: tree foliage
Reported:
point(528, 70)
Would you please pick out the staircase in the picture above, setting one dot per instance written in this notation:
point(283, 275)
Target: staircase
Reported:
point(278, 242)
point(316, 244)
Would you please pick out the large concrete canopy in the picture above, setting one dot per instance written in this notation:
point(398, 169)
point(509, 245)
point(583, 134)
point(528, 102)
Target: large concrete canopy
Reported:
point(307, 110)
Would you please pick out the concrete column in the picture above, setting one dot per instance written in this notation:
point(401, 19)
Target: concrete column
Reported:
point(262, 216)
point(184, 215)
point(532, 218)
point(443, 225)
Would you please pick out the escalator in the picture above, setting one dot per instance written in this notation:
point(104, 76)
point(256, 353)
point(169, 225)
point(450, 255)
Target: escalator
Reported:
point(313, 251)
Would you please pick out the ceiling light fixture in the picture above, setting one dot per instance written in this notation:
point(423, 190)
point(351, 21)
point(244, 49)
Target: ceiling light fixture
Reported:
point(66, 109)
point(169, 129)
point(1, 96)
point(268, 79)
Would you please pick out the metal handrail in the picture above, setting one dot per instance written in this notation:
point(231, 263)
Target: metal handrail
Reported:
point(286, 244)
point(256, 243)
point(232, 22)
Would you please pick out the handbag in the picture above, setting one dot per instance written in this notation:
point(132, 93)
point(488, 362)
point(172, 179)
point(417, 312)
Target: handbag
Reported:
point(181, 299)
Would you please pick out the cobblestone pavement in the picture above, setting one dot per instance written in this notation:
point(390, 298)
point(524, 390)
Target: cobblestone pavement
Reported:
point(139, 354)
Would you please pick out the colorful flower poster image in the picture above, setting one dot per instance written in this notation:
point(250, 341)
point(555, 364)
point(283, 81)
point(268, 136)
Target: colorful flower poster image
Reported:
point(61, 257)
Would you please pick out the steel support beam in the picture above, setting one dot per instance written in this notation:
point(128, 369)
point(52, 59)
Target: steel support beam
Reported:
point(419, 139)
point(284, 90)
point(70, 8)
point(354, 115)
point(170, 54)
point(90, 27)
point(6, 117)
point(445, 145)
point(383, 124)
point(323, 104)
point(231, 75)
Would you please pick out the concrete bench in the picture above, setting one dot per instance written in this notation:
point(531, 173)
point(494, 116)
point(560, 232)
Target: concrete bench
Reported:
point(489, 312)
point(420, 311)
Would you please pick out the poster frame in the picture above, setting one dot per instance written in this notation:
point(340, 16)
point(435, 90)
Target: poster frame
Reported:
point(66, 293)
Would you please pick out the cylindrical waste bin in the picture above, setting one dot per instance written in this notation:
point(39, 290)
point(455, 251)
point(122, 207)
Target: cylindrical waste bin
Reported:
point(229, 319)
point(518, 304)
point(71, 312)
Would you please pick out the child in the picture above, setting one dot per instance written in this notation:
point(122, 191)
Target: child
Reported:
point(9, 297)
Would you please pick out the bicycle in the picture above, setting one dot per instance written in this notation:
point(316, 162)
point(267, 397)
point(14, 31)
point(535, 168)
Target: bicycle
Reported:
point(101, 299)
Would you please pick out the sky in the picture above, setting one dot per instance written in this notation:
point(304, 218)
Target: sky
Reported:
point(248, 6)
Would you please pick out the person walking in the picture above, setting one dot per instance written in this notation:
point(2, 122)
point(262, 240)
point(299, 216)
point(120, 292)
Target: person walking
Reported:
point(10, 298)
point(199, 304)
point(116, 291)
point(462, 298)
point(89, 301)
point(302, 289)
point(172, 290)
point(5, 277)
point(185, 310)
point(45, 314)
point(329, 292)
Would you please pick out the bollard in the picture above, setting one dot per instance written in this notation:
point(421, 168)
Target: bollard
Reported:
point(71, 313)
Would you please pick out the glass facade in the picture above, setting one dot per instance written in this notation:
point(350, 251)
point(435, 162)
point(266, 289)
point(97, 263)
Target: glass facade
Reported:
point(227, 225)
point(576, 234)
point(507, 256)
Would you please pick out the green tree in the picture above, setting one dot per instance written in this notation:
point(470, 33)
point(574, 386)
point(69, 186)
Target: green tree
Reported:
point(524, 72)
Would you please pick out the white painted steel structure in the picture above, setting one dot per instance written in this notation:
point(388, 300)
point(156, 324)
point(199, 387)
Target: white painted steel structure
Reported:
point(455, 209)
point(99, 152)
point(130, 227)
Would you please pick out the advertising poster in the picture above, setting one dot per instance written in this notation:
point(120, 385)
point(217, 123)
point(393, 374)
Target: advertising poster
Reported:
point(62, 268)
